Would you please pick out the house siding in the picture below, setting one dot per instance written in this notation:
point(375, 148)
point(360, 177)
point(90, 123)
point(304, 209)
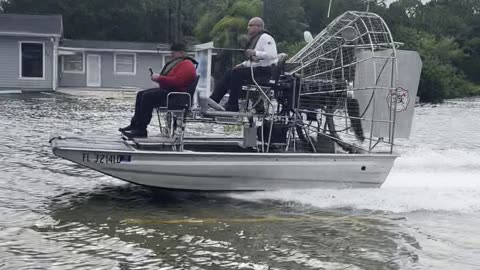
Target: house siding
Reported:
point(10, 64)
point(111, 80)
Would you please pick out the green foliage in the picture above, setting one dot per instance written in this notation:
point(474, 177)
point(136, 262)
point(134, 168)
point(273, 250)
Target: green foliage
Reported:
point(444, 33)
point(285, 19)
point(440, 78)
point(245, 9)
point(317, 11)
point(290, 48)
point(227, 24)
point(228, 31)
point(133, 20)
point(470, 64)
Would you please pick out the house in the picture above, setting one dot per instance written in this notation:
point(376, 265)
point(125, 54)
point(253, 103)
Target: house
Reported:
point(34, 56)
point(28, 51)
point(109, 64)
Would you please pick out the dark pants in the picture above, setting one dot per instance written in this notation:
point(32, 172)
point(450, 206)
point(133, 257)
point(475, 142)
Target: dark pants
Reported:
point(233, 79)
point(146, 101)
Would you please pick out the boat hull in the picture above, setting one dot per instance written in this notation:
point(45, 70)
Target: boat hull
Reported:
point(225, 171)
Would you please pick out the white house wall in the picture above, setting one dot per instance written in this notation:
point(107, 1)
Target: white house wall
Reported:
point(111, 80)
point(10, 65)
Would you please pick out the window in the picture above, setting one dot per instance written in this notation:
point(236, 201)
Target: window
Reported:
point(74, 63)
point(125, 63)
point(32, 60)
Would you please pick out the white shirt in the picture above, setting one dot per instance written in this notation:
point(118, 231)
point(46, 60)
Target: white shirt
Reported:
point(266, 52)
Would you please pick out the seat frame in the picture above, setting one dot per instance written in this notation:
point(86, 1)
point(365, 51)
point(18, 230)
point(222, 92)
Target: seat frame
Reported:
point(268, 88)
point(175, 114)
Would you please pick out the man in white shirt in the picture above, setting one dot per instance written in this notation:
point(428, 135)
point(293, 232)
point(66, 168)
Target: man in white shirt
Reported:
point(261, 53)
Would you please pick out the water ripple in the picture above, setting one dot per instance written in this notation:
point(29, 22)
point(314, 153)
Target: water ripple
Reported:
point(58, 215)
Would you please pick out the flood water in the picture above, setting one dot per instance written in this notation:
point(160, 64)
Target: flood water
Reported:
point(57, 215)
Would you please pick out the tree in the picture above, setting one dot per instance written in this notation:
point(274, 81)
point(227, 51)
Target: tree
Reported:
point(286, 19)
point(226, 22)
point(129, 20)
point(440, 78)
point(470, 64)
point(404, 13)
point(445, 32)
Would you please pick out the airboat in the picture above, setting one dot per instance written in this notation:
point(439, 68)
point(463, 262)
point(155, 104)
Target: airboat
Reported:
point(327, 118)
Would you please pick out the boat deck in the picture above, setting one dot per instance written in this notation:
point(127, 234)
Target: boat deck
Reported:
point(191, 144)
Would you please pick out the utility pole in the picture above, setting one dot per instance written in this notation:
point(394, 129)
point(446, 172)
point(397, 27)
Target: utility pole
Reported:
point(265, 11)
point(169, 20)
point(179, 19)
point(174, 21)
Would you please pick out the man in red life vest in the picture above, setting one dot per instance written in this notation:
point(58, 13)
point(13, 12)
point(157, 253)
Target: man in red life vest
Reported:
point(176, 76)
point(262, 54)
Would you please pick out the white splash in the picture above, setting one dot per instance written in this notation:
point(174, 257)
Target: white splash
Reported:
point(420, 180)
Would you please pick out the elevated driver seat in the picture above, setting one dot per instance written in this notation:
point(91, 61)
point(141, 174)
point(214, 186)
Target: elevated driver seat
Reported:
point(267, 84)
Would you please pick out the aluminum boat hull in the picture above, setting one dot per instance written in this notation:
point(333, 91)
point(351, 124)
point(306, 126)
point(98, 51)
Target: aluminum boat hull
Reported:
point(226, 171)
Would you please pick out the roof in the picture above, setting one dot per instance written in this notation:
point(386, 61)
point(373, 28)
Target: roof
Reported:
point(31, 25)
point(115, 45)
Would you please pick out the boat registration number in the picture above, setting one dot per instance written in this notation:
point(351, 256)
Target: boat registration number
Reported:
point(105, 158)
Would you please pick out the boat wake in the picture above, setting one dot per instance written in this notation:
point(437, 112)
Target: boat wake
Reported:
point(421, 180)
